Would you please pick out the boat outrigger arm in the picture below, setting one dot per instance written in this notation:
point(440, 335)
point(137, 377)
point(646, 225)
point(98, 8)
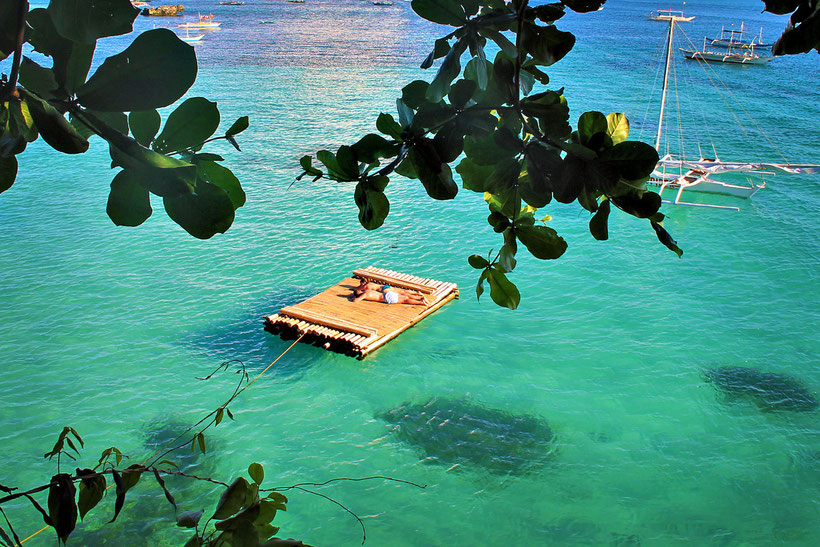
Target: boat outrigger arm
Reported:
point(675, 173)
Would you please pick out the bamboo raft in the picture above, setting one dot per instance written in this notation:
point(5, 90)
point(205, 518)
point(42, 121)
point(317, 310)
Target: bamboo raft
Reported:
point(331, 320)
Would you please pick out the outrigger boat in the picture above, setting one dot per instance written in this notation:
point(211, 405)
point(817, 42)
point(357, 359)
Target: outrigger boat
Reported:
point(744, 55)
point(677, 174)
point(738, 39)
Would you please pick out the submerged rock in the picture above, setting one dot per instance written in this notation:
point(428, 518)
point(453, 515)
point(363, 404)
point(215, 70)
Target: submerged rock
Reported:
point(768, 390)
point(457, 432)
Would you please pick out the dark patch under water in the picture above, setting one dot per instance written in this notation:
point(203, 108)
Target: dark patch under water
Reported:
point(457, 432)
point(767, 390)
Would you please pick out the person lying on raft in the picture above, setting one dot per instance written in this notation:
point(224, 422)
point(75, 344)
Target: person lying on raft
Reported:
point(388, 295)
point(371, 286)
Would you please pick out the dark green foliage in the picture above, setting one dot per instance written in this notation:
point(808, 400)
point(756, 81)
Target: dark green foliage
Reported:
point(768, 390)
point(508, 136)
point(156, 69)
point(188, 126)
point(153, 72)
point(87, 20)
point(471, 436)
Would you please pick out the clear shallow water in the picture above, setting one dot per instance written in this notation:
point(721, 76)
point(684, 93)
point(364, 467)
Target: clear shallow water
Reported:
point(608, 346)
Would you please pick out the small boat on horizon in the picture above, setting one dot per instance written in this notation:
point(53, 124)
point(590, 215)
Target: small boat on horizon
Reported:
point(669, 15)
point(204, 22)
point(382, 3)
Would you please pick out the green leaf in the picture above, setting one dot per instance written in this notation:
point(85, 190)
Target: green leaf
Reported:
point(232, 499)
point(203, 214)
point(666, 239)
point(634, 160)
point(373, 205)
point(478, 262)
point(584, 6)
point(62, 509)
point(238, 127)
point(188, 126)
point(598, 223)
point(91, 492)
point(87, 20)
point(508, 202)
point(165, 490)
point(479, 286)
point(641, 205)
point(541, 241)
point(22, 120)
point(547, 45)
point(156, 70)
point(473, 176)
point(435, 175)
point(8, 172)
point(802, 33)
point(591, 124)
point(221, 176)
point(543, 165)
point(131, 476)
point(502, 290)
point(162, 175)
point(53, 127)
point(617, 127)
point(445, 12)
point(37, 78)
point(781, 7)
point(387, 125)
point(448, 71)
point(144, 125)
point(372, 147)
point(413, 94)
point(9, 13)
point(128, 201)
point(189, 519)
point(117, 120)
point(256, 472)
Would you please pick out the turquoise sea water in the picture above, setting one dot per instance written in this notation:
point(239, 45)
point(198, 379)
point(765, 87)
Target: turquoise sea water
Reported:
point(106, 328)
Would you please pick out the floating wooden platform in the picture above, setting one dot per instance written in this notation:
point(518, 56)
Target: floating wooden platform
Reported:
point(331, 320)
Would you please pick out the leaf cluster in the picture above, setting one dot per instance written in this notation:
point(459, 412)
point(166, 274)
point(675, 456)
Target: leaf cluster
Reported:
point(242, 516)
point(119, 103)
point(506, 133)
point(802, 33)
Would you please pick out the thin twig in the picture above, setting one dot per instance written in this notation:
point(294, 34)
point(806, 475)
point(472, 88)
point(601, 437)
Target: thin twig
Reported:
point(11, 86)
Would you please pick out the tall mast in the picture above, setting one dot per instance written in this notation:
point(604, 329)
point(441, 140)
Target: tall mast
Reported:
point(665, 80)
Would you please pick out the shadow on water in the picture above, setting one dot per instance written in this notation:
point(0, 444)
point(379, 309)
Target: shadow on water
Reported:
point(244, 338)
point(463, 435)
point(146, 513)
point(769, 391)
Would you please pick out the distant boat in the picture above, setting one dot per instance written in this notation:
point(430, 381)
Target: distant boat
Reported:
point(296, 1)
point(382, 3)
point(232, 3)
point(669, 15)
point(204, 21)
point(738, 39)
point(139, 4)
point(743, 55)
point(267, 22)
